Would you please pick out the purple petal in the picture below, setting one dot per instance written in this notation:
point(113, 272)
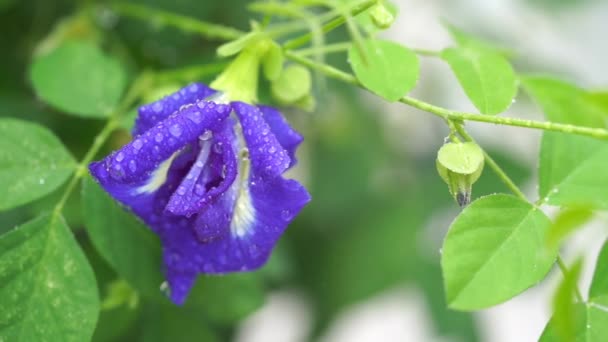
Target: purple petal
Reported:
point(266, 153)
point(151, 114)
point(227, 247)
point(285, 134)
point(212, 174)
point(159, 159)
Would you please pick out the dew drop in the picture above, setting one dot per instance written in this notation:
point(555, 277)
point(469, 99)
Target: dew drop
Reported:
point(221, 109)
point(286, 215)
point(175, 130)
point(137, 144)
point(181, 190)
point(218, 148)
point(157, 107)
point(193, 88)
point(165, 289)
point(158, 137)
point(272, 149)
point(120, 156)
point(132, 165)
point(201, 104)
point(176, 96)
point(199, 189)
point(265, 131)
point(206, 135)
point(195, 116)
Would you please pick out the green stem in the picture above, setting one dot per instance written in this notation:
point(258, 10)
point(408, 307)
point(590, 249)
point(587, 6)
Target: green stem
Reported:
point(447, 114)
point(425, 52)
point(182, 22)
point(331, 25)
point(493, 165)
point(565, 271)
point(325, 49)
point(113, 122)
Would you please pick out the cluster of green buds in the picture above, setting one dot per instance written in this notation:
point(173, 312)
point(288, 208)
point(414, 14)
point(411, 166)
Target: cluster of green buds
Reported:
point(460, 165)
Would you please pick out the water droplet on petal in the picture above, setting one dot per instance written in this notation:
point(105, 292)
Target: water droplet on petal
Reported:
point(193, 88)
point(206, 135)
point(272, 149)
point(137, 144)
point(120, 156)
point(218, 148)
point(199, 189)
point(158, 137)
point(175, 130)
point(286, 215)
point(195, 116)
point(132, 165)
point(157, 107)
point(181, 190)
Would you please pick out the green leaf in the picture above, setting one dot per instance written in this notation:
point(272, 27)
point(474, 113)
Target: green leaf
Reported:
point(486, 77)
point(464, 39)
point(566, 103)
point(566, 222)
point(33, 162)
point(170, 323)
point(590, 323)
point(388, 69)
point(293, 84)
point(79, 79)
point(48, 290)
point(572, 169)
point(228, 298)
point(494, 251)
point(122, 240)
point(599, 284)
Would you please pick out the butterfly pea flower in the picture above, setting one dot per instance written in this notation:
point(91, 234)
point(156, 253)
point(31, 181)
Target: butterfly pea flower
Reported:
point(206, 175)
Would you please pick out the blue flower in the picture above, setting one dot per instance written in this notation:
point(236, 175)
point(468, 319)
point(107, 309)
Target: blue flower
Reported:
point(207, 177)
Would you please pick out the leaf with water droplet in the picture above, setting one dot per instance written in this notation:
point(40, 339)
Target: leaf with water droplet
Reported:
point(48, 291)
point(572, 169)
point(389, 70)
point(79, 79)
point(33, 162)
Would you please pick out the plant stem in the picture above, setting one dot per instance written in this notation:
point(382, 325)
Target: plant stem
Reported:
point(337, 22)
point(493, 165)
point(565, 271)
point(447, 114)
point(113, 122)
point(182, 22)
point(326, 49)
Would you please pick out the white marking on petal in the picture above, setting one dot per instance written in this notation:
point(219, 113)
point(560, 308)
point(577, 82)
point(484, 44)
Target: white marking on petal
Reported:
point(243, 215)
point(158, 178)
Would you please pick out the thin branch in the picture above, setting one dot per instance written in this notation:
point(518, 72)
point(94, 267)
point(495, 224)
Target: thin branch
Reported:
point(447, 114)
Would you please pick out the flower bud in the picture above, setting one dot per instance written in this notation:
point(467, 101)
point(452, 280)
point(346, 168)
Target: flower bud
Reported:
point(381, 16)
point(460, 166)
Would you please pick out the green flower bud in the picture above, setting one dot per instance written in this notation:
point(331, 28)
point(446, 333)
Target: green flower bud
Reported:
point(381, 16)
point(460, 166)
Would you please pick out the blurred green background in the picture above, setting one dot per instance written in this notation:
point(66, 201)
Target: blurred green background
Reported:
point(379, 210)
